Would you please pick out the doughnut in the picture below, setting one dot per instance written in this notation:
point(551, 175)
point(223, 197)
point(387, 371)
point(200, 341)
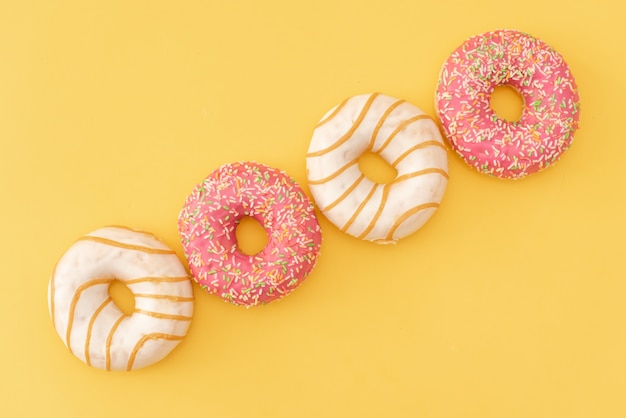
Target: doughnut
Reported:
point(488, 143)
point(401, 134)
point(87, 319)
point(207, 226)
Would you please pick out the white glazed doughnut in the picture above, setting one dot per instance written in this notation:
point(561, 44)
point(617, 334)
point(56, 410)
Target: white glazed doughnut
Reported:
point(87, 319)
point(402, 135)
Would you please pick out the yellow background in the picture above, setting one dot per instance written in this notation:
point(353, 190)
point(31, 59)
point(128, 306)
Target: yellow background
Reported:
point(508, 303)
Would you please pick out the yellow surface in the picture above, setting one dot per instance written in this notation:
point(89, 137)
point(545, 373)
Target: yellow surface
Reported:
point(508, 303)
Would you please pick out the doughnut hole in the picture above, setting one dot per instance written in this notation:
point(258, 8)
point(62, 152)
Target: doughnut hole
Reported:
point(251, 236)
point(122, 297)
point(507, 103)
point(376, 169)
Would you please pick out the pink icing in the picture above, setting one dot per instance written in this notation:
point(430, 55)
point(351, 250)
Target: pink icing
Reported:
point(207, 225)
point(487, 142)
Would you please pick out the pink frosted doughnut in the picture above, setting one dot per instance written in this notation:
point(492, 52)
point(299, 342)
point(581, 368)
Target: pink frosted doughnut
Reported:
point(207, 225)
point(487, 142)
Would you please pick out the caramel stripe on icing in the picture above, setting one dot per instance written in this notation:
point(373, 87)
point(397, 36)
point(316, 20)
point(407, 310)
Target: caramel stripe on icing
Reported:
point(118, 244)
point(142, 341)
point(415, 148)
point(351, 131)
point(165, 297)
point(382, 120)
point(406, 215)
point(333, 114)
point(155, 279)
point(360, 208)
point(90, 327)
point(335, 174)
point(163, 315)
point(379, 211)
point(400, 127)
point(345, 194)
point(75, 298)
point(387, 188)
point(110, 339)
